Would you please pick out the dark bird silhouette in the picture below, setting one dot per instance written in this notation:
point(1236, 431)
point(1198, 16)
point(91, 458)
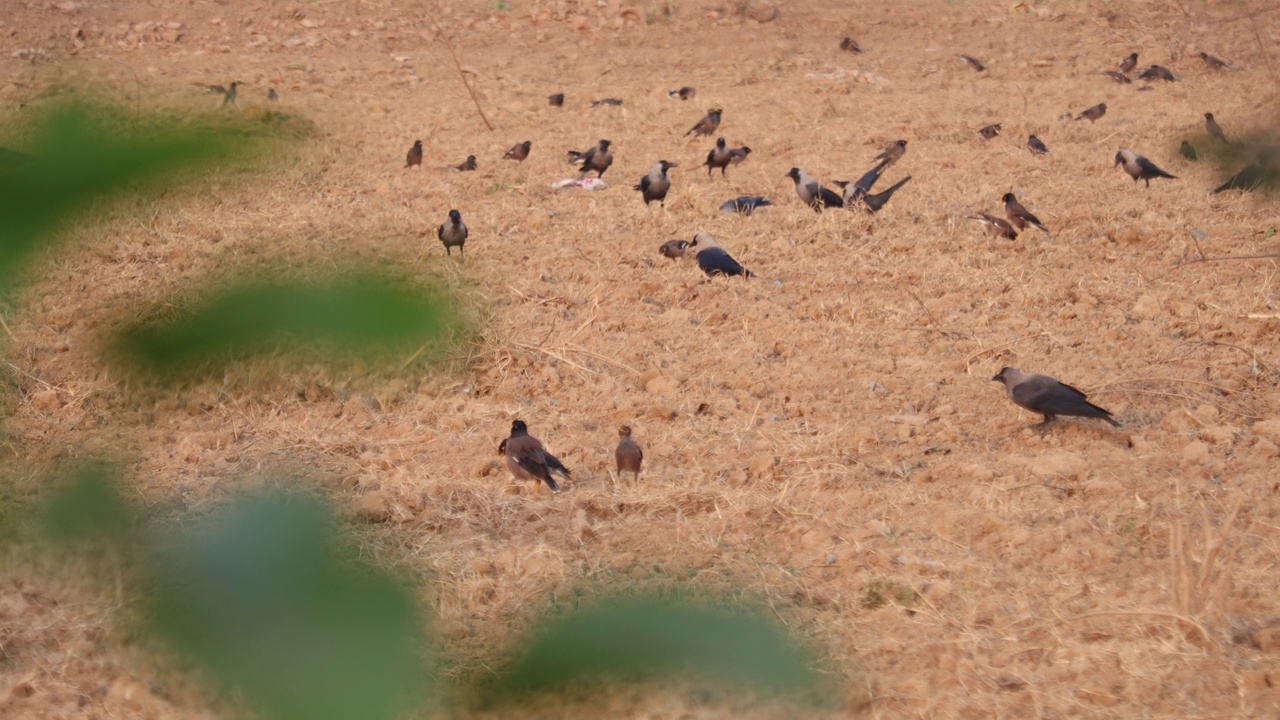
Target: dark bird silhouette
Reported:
point(1215, 130)
point(228, 92)
point(1119, 78)
point(453, 233)
point(989, 132)
point(597, 158)
point(1188, 151)
point(1035, 145)
point(714, 260)
point(1140, 168)
point(1213, 63)
point(527, 459)
point(1157, 72)
point(848, 44)
point(655, 185)
point(1092, 114)
point(996, 227)
point(1045, 395)
point(874, 203)
point(673, 249)
point(684, 93)
point(1019, 216)
point(707, 125)
point(1250, 176)
point(744, 205)
point(628, 454)
point(606, 102)
point(415, 155)
point(519, 152)
point(811, 193)
point(891, 154)
point(973, 62)
point(719, 157)
point(854, 191)
point(1128, 64)
point(738, 154)
point(272, 95)
point(466, 165)
point(556, 100)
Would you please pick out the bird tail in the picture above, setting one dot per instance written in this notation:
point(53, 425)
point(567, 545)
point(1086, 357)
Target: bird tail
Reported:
point(574, 156)
point(551, 483)
point(747, 273)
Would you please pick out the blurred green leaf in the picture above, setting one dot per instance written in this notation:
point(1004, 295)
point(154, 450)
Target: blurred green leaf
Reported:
point(88, 507)
point(639, 639)
point(267, 602)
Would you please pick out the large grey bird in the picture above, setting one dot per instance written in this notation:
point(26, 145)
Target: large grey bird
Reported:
point(655, 185)
point(527, 459)
point(811, 193)
point(597, 158)
point(1019, 216)
point(1250, 176)
point(719, 157)
point(628, 454)
point(1214, 129)
point(713, 260)
point(995, 227)
point(708, 124)
point(453, 233)
point(1140, 168)
point(1047, 396)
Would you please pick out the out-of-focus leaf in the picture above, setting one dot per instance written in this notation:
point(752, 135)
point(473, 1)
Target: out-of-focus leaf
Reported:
point(88, 507)
point(362, 314)
point(639, 639)
point(265, 601)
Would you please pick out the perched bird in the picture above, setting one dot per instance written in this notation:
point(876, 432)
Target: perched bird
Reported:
point(811, 193)
point(1188, 151)
point(989, 131)
point(1250, 176)
point(1215, 130)
point(1092, 114)
point(1019, 216)
point(996, 227)
point(673, 249)
point(1128, 64)
point(1036, 146)
point(684, 93)
point(1156, 72)
point(744, 205)
point(714, 260)
point(892, 154)
point(655, 185)
point(1140, 168)
point(1119, 78)
point(707, 125)
point(415, 155)
point(628, 454)
point(606, 102)
point(272, 95)
point(1047, 396)
point(466, 165)
point(596, 158)
point(556, 100)
point(1213, 63)
point(519, 152)
point(738, 154)
point(973, 62)
point(527, 459)
point(453, 233)
point(848, 44)
point(719, 157)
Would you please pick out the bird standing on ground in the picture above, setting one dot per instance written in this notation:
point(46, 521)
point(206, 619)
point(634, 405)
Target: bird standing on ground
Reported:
point(1128, 64)
point(606, 102)
point(1140, 168)
point(996, 227)
point(892, 154)
point(272, 95)
point(738, 154)
point(973, 62)
point(556, 100)
point(628, 454)
point(673, 249)
point(1035, 145)
point(1212, 62)
point(1250, 176)
point(1188, 151)
point(228, 93)
point(744, 205)
point(707, 125)
point(719, 157)
point(527, 459)
point(989, 132)
point(1156, 72)
point(453, 233)
point(713, 260)
point(811, 193)
point(466, 165)
point(655, 185)
point(684, 93)
point(1047, 396)
point(848, 44)
point(1215, 130)
point(415, 155)
point(597, 158)
point(1094, 113)
point(519, 152)
point(1019, 216)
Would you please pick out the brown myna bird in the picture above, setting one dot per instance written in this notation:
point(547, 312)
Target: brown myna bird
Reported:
point(466, 165)
point(892, 154)
point(1036, 146)
point(973, 62)
point(713, 260)
point(811, 193)
point(1213, 63)
point(684, 93)
point(654, 186)
point(1092, 114)
point(628, 454)
point(519, 152)
point(1119, 78)
point(1156, 72)
point(1020, 216)
point(1140, 168)
point(673, 249)
point(1215, 130)
point(606, 102)
point(707, 125)
point(453, 233)
point(556, 100)
point(848, 44)
point(527, 459)
point(996, 227)
point(1128, 64)
point(1047, 396)
point(1188, 151)
point(718, 157)
point(597, 158)
point(415, 155)
point(989, 132)
point(1251, 176)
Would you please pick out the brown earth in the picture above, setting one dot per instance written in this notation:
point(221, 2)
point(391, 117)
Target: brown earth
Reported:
point(824, 437)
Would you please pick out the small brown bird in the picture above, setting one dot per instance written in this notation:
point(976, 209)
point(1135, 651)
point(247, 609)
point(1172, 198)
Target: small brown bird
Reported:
point(1156, 72)
point(606, 102)
point(556, 100)
point(1140, 168)
point(1214, 63)
point(1047, 396)
point(973, 62)
point(1092, 114)
point(673, 249)
point(996, 227)
point(527, 459)
point(415, 155)
point(1036, 146)
point(654, 186)
point(519, 152)
point(684, 93)
point(1118, 78)
point(597, 158)
point(1128, 64)
point(989, 131)
point(848, 44)
point(628, 454)
point(453, 233)
point(272, 95)
point(892, 154)
point(1020, 216)
point(1215, 130)
point(719, 157)
point(466, 165)
point(707, 125)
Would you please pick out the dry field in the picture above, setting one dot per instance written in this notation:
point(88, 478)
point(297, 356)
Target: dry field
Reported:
point(824, 438)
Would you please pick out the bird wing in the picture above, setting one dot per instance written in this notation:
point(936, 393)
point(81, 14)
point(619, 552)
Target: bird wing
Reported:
point(830, 199)
point(870, 177)
point(1149, 168)
point(716, 261)
point(440, 233)
point(644, 184)
point(877, 201)
point(1044, 394)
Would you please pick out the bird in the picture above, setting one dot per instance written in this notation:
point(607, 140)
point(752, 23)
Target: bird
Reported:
point(1215, 130)
point(863, 186)
point(415, 155)
point(527, 459)
point(848, 44)
point(628, 454)
point(1128, 64)
point(519, 152)
point(1019, 216)
point(272, 95)
point(1048, 396)
point(1036, 146)
point(655, 185)
point(713, 260)
point(1214, 63)
point(606, 102)
point(1249, 177)
point(811, 193)
point(466, 165)
point(719, 157)
point(1188, 151)
point(1156, 72)
point(891, 154)
point(453, 233)
point(738, 154)
point(1092, 114)
point(596, 158)
point(744, 205)
point(673, 249)
point(989, 131)
point(995, 226)
point(230, 95)
point(707, 125)
point(1140, 168)
point(873, 203)
point(1119, 78)
point(556, 100)
point(684, 93)
point(973, 62)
